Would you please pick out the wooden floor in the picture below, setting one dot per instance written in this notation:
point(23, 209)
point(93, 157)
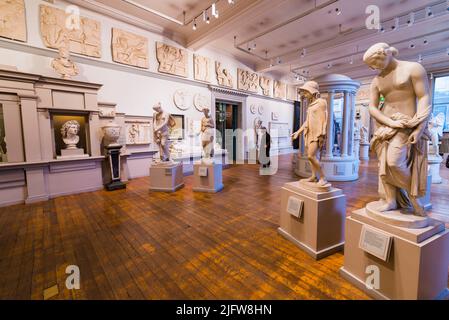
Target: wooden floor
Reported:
point(134, 244)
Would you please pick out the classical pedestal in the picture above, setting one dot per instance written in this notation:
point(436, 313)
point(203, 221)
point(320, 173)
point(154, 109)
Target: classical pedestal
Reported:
point(207, 177)
point(166, 177)
point(364, 151)
point(72, 154)
point(335, 168)
point(434, 168)
point(113, 154)
point(390, 262)
point(357, 148)
point(313, 220)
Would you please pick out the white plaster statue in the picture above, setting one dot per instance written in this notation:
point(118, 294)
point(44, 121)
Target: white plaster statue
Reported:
point(400, 138)
point(207, 136)
point(314, 129)
point(257, 131)
point(162, 122)
point(63, 65)
point(69, 132)
point(436, 125)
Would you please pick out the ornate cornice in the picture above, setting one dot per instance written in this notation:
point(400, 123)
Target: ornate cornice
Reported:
point(228, 91)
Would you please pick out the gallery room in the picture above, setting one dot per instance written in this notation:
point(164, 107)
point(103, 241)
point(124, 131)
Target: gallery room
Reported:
point(224, 150)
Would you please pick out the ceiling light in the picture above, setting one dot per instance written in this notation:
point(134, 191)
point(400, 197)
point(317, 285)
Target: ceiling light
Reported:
point(411, 19)
point(429, 12)
point(351, 61)
point(431, 76)
point(382, 29)
point(204, 15)
point(279, 61)
point(303, 53)
point(207, 20)
point(329, 65)
point(420, 58)
point(411, 45)
point(214, 10)
point(338, 11)
point(425, 42)
point(194, 24)
point(231, 1)
point(396, 24)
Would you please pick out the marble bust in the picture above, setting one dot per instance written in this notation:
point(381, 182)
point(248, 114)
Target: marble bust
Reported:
point(63, 65)
point(162, 122)
point(400, 140)
point(207, 136)
point(314, 130)
point(69, 132)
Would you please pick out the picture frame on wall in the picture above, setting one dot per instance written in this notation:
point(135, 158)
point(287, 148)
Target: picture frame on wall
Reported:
point(177, 132)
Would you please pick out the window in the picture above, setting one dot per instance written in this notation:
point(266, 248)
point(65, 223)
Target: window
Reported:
point(441, 99)
point(3, 151)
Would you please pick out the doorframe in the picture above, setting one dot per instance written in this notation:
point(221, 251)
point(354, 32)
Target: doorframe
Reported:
point(220, 94)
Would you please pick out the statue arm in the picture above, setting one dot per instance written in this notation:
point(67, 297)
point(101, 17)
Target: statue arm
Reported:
point(374, 105)
point(422, 92)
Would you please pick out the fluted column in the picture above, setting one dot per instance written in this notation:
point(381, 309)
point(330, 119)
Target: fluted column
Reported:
point(346, 128)
point(330, 125)
point(352, 122)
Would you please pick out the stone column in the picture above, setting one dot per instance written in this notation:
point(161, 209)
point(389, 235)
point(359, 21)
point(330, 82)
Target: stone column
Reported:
point(352, 122)
point(330, 125)
point(346, 128)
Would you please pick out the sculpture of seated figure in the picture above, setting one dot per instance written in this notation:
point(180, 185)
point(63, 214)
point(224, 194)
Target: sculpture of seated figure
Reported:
point(162, 122)
point(400, 138)
point(315, 130)
point(69, 132)
point(207, 136)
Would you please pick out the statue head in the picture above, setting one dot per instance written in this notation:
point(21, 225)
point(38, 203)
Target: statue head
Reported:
point(206, 112)
point(70, 129)
point(157, 107)
point(310, 90)
point(379, 56)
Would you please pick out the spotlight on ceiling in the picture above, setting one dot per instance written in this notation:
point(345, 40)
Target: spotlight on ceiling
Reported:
point(338, 11)
point(303, 52)
point(382, 29)
point(425, 42)
point(329, 65)
point(420, 58)
point(231, 1)
point(214, 10)
point(429, 12)
point(194, 27)
point(411, 19)
point(279, 61)
point(395, 26)
point(412, 46)
point(351, 61)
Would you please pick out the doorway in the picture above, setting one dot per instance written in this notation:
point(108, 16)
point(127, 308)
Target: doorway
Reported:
point(227, 122)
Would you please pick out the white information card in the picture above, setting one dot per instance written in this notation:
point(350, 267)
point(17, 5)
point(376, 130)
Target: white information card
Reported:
point(295, 207)
point(376, 242)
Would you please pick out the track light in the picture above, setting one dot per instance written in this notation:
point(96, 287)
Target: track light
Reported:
point(411, 19)
point(329, 65)
point(412, 45)
point(429, 12)
point(338, 11)
point(396, 24)
point(382, 29)
point(194, 25)
point(425, 42)
point(214, 10)
point(231, 1)
point(351, 61)
point(420, 58)
point(303, 53)
point(279, 61)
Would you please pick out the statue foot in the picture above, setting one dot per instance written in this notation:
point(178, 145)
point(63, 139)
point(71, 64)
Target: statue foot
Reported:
point(418, 207)
point(322, 182)
point(388, 206)
point(312, 179)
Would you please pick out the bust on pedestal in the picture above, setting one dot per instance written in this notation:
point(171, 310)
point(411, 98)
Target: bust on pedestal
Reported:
point(111, 135)
point(208, 176)
point(69, 133)
point(312, 212)
point(409, 249)
point(165, 174)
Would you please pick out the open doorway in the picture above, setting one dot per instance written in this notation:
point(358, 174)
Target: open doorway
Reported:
point(228, 120)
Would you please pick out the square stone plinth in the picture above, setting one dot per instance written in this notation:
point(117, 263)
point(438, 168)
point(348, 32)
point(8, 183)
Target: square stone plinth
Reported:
point(416, 266)
point(166, 177)
point(207, 177)
point(72, 154)
point(318, 226)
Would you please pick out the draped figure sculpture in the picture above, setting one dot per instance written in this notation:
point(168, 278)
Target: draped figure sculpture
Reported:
point(314, 130)
point(162, 122)
point(400, 140)
point(207, 136)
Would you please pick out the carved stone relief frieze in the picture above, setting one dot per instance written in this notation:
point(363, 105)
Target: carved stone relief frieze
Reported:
point(13, 20)
point(247, 80)
point(130, 49)
point(171, 60)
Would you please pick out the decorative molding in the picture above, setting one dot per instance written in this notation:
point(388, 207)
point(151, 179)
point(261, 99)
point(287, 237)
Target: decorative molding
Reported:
point(227, 91)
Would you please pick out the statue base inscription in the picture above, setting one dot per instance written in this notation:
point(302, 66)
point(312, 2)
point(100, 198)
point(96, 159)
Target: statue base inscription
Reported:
point(166, 177)
point(207, 177)
point(414, 268)
point(312, 220)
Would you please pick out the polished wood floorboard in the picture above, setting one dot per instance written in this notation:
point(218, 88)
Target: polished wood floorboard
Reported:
point(137, 244)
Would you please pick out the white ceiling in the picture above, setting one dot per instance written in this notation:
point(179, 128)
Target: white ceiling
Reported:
point(280, 29)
